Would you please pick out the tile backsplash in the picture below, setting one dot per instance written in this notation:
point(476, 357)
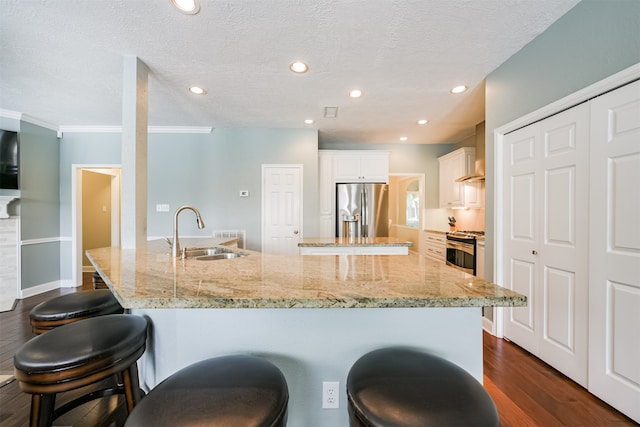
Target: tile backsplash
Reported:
point(466, 219)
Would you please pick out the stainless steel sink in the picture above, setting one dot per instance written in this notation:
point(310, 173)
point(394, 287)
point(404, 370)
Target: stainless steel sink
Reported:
point(210, 254)
point(229, 255)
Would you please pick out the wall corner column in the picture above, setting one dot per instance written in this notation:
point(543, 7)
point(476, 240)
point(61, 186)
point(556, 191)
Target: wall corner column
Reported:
point(135, 112)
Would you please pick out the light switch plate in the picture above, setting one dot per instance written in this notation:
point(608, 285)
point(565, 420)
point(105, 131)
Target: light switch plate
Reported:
point(244, 193)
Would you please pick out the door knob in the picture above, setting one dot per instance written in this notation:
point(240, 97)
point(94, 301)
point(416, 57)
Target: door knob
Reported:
point(295, 231)
point(534, 252)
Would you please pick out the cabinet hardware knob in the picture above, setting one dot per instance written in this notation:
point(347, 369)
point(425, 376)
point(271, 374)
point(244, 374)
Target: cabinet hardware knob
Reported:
point(534, 252)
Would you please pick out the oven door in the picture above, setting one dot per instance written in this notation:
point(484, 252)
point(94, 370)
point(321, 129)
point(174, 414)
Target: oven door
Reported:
point(461, 254)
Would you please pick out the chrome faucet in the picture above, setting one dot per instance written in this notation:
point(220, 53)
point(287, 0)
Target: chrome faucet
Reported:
point(175, 247)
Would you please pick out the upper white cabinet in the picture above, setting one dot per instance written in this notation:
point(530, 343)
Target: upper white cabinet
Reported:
point(326, 184)
point(454, 194)
point(361, 166)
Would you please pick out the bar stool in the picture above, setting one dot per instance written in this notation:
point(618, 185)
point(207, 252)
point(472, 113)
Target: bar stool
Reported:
point(79, 354)
point(227, 391)
point(401, 387)
point(70, 308)
point(98, 282)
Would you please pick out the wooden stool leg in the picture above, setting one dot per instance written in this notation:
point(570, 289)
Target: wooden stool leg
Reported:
point(42, 406)
point(131, 386)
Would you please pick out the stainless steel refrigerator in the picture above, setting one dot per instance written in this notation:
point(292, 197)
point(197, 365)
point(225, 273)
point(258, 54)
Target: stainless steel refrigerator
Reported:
point(362, 210)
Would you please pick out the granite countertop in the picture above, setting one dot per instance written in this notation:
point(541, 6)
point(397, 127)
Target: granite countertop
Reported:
point(149, 277)
point(319, 242)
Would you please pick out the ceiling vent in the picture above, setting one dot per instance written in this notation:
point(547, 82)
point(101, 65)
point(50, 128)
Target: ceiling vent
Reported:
point(330, 112)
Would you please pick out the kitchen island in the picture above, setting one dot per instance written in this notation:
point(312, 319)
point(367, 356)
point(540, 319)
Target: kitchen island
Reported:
point(354, 246)
point(312, 316)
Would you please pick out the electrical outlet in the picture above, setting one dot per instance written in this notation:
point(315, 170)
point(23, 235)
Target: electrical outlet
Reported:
point(162, 207)
point(330, 394)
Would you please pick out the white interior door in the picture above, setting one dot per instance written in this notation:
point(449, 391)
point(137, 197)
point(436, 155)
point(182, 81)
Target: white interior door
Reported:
point(546, 238)
point(281, 208)
point(614, 322)
point(564, 242)
point(521, 233)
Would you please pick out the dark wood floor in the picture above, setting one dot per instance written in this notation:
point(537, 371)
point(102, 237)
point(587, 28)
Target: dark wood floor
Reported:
point(527, 392)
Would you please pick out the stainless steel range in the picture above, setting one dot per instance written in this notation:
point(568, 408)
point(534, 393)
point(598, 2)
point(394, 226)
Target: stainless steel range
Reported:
point(461, 250)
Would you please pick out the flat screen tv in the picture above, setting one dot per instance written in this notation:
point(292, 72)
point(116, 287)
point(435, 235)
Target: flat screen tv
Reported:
point(9, 156)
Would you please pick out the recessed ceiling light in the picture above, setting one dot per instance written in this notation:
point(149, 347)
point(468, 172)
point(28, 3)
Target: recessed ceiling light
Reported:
point(403, 138)
point(196, 90)
point(309, 121)
point(422, 121)
point(459, 89)
point(356, 93)
point(190, 7)
point(299, 67)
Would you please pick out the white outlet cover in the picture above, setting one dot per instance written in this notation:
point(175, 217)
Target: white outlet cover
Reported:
point(330, 394)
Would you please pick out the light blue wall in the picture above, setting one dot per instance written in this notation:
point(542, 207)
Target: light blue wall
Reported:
point(408, 158)
point(592, 41)
point(203, 170)
point(39, 205)
point(208, 172)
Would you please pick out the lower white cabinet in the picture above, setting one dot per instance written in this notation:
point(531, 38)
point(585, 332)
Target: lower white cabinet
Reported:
point(434, 244)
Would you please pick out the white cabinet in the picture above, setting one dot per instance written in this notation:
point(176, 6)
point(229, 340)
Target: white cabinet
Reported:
point(454, 194)
point(326, 193)
point(434, 244)
point(361, 166)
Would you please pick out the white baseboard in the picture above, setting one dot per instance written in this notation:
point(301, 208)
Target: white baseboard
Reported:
point(39, 289)
point(487, 325)
point(45, 287)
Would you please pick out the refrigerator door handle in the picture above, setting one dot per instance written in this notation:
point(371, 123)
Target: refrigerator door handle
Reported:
point(365, 214)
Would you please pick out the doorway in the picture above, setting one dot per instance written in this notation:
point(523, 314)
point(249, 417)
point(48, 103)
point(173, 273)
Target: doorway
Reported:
point(95, 213)
point(406, 204)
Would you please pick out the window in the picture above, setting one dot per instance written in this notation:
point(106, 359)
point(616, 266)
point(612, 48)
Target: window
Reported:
point(413, 209)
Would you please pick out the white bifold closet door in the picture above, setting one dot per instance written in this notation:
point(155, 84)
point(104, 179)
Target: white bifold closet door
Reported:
point(546, 241)
point(614, 268)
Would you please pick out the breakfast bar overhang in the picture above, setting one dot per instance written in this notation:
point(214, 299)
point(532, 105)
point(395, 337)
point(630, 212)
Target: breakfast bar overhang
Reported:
point(311, 316)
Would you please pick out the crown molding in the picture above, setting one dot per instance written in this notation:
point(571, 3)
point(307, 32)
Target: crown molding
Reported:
point(8, 114)
point(180, 129)
point(91, 129)
point(150, 129)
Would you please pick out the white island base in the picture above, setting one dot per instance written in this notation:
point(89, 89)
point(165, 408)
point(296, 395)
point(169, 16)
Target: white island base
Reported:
point(309, 345)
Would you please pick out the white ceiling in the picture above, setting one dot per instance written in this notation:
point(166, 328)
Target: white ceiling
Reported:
point(61, 62)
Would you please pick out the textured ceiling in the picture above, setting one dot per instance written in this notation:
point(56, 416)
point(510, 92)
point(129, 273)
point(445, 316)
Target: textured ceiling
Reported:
point(61, 62)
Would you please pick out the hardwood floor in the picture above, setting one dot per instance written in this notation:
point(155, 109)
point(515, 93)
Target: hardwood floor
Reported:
point(526, 391)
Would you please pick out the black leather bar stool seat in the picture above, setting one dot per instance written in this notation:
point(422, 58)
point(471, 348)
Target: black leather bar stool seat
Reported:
point(227, 391)
point(77, 355)
point(401, 387)
point(70, 308)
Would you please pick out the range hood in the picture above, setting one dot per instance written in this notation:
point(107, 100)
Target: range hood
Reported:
point(471, 178)
point(478, 175)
